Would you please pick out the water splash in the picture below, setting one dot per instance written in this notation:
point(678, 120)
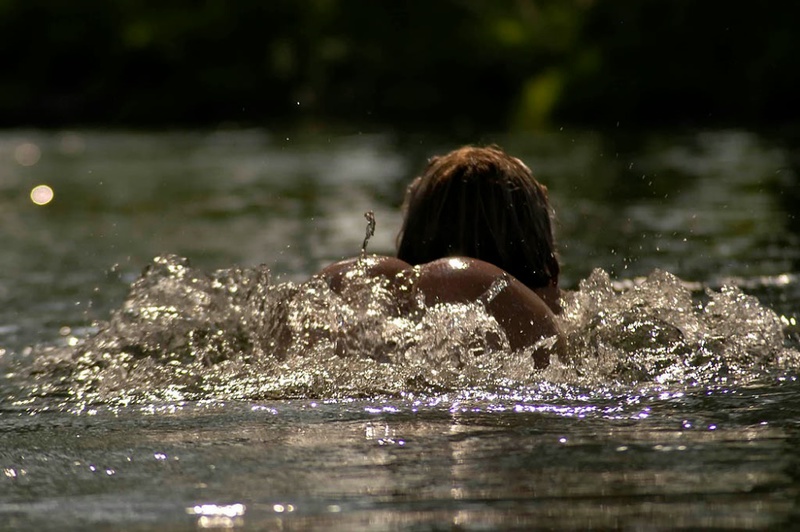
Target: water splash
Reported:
point(370, 232)
point(656, 332)
point(183, 334)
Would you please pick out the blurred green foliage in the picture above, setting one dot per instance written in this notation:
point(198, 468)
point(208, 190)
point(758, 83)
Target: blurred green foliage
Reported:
point(444, 64)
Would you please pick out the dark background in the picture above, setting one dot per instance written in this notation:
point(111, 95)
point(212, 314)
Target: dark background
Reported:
point(453, 65)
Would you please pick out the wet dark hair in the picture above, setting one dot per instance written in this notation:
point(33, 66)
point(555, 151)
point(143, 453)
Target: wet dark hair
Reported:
point(480, 202)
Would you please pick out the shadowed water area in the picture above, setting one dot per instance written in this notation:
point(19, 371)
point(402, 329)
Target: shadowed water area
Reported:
point(168, 363)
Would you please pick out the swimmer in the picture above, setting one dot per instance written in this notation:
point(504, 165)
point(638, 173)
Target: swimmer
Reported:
point(476, 226)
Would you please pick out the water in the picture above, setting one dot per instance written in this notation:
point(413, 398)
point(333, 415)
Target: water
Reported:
point(219, 389)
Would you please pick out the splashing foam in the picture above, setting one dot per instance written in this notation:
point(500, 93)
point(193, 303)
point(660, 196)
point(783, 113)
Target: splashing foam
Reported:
point(655, 332)
point(184, 334)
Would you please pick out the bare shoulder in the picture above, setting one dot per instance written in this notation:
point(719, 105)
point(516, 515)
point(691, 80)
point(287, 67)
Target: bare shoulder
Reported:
point(337, 274)
point(523, 314)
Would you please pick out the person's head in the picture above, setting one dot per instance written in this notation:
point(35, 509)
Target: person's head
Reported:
point(480, 203)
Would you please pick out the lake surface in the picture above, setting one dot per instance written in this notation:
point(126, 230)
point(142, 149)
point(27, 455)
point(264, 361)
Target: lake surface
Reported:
point(156, 401)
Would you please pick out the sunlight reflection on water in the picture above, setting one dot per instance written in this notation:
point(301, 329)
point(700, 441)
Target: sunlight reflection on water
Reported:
point(42, 194)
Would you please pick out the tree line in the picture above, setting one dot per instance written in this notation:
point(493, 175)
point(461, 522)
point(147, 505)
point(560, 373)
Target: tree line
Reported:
point(444, 64)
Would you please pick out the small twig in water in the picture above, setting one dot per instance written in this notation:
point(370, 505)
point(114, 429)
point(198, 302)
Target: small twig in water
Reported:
point(370, 216)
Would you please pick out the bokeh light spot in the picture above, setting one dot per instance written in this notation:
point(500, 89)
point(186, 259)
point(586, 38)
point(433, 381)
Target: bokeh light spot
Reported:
point(42, 195)
point(71, 144)
point(27, 154)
